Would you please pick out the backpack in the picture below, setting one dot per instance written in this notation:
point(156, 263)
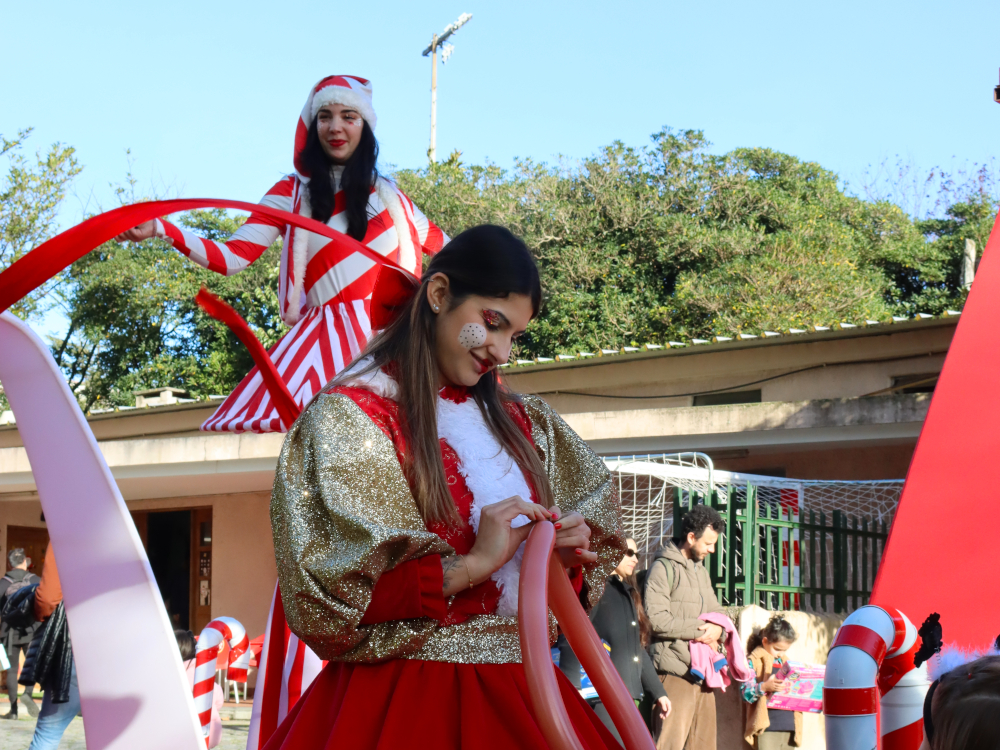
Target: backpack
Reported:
point(671, 577)
point(6, 629)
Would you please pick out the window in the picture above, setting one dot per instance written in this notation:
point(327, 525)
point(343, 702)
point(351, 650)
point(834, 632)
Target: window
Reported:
point(728, 397)
point(920, 383)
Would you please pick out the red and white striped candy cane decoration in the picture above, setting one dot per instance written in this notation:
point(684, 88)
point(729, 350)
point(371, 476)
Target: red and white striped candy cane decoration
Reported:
point(857, 668)
point(207, 655)
point(903, 687)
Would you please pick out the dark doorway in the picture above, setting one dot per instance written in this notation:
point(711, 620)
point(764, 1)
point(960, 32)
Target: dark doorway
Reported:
point(168, 545)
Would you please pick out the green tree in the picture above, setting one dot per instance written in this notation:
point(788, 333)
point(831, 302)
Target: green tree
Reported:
point(671, 242)
point(133, 322)
point(31, 194)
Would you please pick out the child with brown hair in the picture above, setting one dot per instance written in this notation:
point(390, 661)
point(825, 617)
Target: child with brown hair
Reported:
point(962, 707)
point(769, 729)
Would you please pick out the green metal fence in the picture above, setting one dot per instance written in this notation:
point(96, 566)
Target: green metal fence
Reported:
point(777, 556)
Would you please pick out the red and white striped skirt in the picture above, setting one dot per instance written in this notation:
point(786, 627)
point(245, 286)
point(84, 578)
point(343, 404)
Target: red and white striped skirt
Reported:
point(320, 345)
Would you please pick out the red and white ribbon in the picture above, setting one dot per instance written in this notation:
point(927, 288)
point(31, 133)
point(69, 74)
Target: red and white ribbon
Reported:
point(206, 657)
point(873, 695)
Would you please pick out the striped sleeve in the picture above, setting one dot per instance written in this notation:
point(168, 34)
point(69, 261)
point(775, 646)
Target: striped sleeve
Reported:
point(430, 235)
point(244, 247)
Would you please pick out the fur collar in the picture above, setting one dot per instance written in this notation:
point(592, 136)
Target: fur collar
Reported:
point(490, 473)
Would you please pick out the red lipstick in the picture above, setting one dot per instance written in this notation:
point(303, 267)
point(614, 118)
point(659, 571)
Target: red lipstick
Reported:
point(484, 366)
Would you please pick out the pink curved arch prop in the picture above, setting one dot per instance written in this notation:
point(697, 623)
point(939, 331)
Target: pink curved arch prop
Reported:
point(132, 684)
point(543, 577)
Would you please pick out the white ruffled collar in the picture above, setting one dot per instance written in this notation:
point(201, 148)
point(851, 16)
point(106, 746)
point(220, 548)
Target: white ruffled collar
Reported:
point(490, 472)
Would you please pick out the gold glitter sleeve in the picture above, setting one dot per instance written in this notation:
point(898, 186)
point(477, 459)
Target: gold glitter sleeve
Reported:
point(582, 483)
point(342, 514)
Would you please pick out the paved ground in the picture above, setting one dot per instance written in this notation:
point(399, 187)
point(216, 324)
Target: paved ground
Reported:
point(16, 735)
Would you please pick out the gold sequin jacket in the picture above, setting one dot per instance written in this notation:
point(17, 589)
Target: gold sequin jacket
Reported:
point(342, 514)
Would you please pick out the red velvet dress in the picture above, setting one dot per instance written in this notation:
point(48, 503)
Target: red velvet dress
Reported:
point(409, 703)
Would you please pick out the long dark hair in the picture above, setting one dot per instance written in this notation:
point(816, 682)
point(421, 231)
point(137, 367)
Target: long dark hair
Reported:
point(645, 629)
point(777, 630)
point(360, 174)
point(185, 643)
point(487, 261)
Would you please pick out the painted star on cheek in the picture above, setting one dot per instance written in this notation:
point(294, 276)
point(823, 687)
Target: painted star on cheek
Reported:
point(472, 335)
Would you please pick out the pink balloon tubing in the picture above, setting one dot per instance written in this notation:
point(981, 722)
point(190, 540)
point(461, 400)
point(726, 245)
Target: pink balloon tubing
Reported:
point(544, 582)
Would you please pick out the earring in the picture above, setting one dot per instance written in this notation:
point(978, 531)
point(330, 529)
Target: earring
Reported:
point(436, 308)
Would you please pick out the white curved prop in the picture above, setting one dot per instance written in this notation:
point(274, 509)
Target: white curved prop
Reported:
point(132, 684)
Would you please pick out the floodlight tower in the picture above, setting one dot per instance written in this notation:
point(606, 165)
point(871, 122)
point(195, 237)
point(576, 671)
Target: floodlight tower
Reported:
point(438, 41)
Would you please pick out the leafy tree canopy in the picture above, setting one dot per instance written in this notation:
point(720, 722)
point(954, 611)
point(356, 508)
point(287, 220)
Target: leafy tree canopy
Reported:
point(635, 245)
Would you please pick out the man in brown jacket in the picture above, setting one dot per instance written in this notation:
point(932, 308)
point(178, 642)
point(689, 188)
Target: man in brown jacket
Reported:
point(678, 591)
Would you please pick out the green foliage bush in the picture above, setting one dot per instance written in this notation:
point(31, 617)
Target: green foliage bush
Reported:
point(635, 245)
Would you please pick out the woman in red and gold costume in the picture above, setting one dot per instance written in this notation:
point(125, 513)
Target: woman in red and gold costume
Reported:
point(403, 496)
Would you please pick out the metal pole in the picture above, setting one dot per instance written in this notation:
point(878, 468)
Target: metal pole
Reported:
point(432, 151)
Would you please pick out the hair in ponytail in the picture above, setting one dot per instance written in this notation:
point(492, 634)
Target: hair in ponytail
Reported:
point(777, 630)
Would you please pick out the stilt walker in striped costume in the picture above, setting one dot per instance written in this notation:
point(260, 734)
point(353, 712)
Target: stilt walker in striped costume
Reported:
point(325, 298)
point(324, 295)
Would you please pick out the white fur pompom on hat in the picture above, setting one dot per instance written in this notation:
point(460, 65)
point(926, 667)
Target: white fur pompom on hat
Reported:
point(953, 657)
point(351, 91)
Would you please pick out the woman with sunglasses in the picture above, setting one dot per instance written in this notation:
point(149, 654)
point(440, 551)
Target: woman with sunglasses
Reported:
point(621, 622)
point(402, 498)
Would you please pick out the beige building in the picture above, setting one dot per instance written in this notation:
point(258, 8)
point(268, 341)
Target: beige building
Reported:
point(842, 403)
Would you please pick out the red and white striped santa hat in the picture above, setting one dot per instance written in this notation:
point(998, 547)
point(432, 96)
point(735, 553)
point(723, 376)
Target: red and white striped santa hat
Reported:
point(350, 91)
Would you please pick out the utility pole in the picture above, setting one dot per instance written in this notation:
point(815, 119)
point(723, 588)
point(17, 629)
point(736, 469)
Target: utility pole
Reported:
point(438, 42)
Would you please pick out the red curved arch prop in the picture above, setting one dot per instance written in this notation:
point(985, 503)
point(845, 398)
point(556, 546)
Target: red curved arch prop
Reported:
point(544, 581)
point(51, 257)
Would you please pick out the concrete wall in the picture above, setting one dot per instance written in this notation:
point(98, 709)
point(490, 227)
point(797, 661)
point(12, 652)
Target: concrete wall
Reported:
point(815, 636)
point(854, 464)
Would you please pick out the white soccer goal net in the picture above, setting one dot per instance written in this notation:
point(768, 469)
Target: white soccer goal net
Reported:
point(650, 484)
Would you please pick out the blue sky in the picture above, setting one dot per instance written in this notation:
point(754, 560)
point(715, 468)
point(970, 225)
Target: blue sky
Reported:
point(205, 94)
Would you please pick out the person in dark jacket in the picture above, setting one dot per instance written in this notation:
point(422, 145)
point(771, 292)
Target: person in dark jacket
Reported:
point(16, 640)
point(620, 621)
point(50, 661)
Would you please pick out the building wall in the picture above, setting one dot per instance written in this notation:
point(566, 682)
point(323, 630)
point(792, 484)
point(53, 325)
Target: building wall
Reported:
point(845, 464)
point(23, 513)
point(243, 570)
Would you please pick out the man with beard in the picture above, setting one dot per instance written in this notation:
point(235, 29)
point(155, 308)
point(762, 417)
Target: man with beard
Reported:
point(678, 591)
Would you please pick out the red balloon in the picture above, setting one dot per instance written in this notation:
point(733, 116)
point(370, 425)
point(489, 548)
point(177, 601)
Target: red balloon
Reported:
point(543, 576)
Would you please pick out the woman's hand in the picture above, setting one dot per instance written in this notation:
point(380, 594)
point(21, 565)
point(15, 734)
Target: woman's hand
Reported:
point(572, 538)
point(496, 541)
point(138, 233)
point(772, 684)
point(664, 706)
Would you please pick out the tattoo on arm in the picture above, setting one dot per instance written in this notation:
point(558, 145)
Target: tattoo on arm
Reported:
point(453, 571)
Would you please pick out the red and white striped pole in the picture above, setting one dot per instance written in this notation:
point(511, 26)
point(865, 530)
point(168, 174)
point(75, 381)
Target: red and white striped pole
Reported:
point(206, 657)
point(858, 675)
point(903, 687)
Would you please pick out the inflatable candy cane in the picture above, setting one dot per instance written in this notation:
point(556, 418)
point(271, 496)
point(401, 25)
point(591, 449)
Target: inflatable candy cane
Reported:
point(858, 675)
point(903, 687)
point(207, 654)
